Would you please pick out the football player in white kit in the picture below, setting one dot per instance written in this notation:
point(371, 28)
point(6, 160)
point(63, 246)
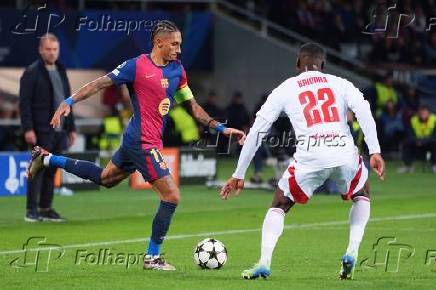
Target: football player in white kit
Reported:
point(316, 104)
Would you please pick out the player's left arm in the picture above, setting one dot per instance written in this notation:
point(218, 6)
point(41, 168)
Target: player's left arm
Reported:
point(362, 110)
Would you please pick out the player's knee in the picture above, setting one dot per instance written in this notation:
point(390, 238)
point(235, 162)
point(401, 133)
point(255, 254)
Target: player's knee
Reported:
point(285, 203)
point(173, 197)
point(107, 182)
point(109, 185)
point(282, 201)
point(363, 192)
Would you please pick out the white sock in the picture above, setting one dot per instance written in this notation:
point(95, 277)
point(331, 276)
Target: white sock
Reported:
point(46, 159)
point(359, 216)
point(271, 230)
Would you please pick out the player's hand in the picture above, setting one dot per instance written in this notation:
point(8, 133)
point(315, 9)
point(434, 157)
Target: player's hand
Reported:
point(233, 185)
point(30, 137)
point(240, 135)
point(63, 111)
point(378, 165)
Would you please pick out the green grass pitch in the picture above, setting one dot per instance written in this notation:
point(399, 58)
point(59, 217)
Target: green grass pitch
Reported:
point(307, 256)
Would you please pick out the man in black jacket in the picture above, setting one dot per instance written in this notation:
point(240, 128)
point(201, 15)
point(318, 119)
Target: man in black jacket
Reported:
point(43, 86)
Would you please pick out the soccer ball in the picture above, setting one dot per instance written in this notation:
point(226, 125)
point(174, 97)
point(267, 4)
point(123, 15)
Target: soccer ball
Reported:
point(210, 254)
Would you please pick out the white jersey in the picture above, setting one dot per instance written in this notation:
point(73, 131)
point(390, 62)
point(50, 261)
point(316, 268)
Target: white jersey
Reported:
point(316, 104)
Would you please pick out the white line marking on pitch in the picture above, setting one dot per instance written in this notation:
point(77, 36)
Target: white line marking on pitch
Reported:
point(229, 232)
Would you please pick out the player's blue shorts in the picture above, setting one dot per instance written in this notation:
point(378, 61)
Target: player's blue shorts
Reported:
point(149, 162)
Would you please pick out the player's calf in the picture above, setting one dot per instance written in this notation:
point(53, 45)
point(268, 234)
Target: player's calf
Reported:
point(42, 158)
point(359, 216)
point(112, 175)
point(170, 197)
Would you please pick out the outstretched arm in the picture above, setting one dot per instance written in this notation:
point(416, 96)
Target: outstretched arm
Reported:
point(199, 113)
point(83, 93)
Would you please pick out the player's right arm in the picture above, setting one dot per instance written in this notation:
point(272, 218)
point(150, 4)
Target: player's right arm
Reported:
point(83, 93)
point(266, 116)
point(362, 110)
point(124, 73)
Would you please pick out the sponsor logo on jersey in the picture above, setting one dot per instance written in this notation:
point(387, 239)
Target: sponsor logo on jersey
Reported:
point(164, 106)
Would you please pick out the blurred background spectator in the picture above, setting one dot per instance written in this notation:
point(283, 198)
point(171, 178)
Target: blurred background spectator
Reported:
point(421, 140)
point(237, 113)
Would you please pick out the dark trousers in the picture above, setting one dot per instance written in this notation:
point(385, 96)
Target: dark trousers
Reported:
point(42, 184)
point(259, 158)
point(414, 150)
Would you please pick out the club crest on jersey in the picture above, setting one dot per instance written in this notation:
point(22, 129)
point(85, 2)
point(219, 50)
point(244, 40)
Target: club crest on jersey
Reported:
point(164, 82)
point(164, 106)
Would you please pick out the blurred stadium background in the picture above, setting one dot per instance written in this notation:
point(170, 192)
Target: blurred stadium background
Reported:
point(235, 52)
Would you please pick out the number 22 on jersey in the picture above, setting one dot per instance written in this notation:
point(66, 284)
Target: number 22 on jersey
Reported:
point(327, 113)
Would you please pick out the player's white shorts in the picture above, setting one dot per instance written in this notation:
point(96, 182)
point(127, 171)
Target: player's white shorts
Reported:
point(299, 182)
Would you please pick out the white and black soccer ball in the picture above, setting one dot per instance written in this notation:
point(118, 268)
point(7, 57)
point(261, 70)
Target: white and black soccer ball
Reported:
point(210, 254)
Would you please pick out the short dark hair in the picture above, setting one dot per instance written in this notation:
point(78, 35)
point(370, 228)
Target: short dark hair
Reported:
point(313, 50)
point(163, 26)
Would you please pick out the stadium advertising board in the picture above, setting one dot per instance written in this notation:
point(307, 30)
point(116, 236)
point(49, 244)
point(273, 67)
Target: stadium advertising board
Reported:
point(13, 177)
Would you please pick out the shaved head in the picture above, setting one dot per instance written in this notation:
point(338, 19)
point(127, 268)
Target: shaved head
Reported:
point(310, 57)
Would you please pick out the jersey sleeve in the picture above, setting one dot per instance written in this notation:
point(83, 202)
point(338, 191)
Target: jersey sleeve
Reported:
point(362, 110)
point(273, 106)
point(124, 73)
point(183, 92)
point(254, 139)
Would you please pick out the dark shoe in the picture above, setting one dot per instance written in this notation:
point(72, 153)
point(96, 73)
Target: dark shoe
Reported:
point(32, 216)
point(37, 162)
point(256, 179)
point(157, 263)
point(51, 215)
point(273, 182)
